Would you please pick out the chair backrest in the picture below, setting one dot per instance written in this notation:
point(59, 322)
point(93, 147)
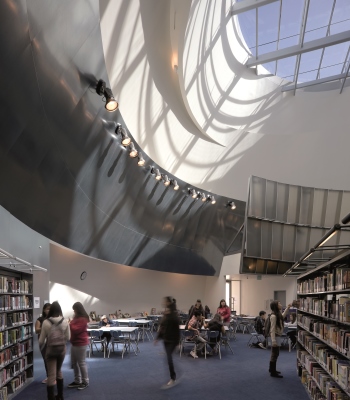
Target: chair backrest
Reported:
point(133, 323)
point(116, 334)
point(187, 333)
point(213, 335)
point(96, 335)
point(116, 323)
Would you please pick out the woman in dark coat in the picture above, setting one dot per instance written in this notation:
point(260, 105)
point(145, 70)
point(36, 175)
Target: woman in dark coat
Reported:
point(169, 332)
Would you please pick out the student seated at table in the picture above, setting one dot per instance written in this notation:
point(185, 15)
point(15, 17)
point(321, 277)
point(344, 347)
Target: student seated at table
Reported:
point(197, 307)
point(259, 325)
point(194, 324)
point(106, 322)
point(215, 324)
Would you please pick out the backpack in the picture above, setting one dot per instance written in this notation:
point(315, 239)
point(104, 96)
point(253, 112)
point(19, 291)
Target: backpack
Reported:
point(56, 340)
point(267, 326)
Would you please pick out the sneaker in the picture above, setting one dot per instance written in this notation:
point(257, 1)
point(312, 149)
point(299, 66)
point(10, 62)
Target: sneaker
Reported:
point(193, 354)
point(261, 346)
point(44, 381)
point(83, 386)
point(169, 385)
point(74, 385)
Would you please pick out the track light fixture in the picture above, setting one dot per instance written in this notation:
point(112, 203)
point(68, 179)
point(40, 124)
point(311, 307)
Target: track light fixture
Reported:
point(232, 205)
point(212, 199)
point(155, 171)
point(102, 90)
point(203, 197)
point(174, 183)
point(133, 152)
point(141, 161)
point(193, 193)
point(166, 180)
point(126, 140)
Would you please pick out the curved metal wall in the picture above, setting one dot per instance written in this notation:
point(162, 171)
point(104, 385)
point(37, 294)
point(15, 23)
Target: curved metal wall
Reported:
point(65, 174)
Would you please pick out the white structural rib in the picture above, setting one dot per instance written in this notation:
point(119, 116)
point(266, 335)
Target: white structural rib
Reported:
point(314, 82)
point(297, 49)
point(247, 5)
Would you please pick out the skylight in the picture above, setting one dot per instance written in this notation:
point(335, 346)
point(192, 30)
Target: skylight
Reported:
point(306, 42)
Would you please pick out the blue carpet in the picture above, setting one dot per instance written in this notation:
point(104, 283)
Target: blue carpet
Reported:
point(243, 375)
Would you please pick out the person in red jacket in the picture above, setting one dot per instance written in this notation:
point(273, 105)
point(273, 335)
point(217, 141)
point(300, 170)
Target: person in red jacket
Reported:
point(79, 340)
point(225, 312)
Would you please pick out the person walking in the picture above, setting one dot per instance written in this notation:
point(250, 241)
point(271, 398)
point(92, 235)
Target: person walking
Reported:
point(79, 340)
point(225, 312)
point(38, 325)
point(276, 330)
point(55, 333)
point(169, 332)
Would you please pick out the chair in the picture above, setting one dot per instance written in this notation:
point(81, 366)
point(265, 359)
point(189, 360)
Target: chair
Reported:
point(135, 337)
point(232, 329)
point(185, 339)
point(225, 342)
point(213, 339)
point(95, 339)
point(255, 337)
point(147, 330)
point(116, 339)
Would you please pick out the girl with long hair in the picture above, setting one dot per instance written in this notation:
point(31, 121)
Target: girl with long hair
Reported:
point(54, 362)
point(224, 311)
point(276, 330)
point(38, 325)
point(79, 340)
point(169, 331)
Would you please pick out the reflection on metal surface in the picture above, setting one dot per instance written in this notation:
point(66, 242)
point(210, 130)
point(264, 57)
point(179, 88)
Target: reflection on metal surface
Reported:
point(66, 174)
point(283, 223)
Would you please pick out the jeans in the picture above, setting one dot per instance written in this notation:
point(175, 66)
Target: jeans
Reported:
point(78, 361)
point(169, 349)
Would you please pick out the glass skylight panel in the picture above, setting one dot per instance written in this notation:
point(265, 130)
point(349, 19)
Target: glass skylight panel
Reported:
point(318, 19)
point(310, 60)
point(286, 68)
point(307, 76)
point(340, 26)
point(341, 11)
point(335, 54)
point(268, 17)
point(332, 70)
point(292, 11)
point(247, 23)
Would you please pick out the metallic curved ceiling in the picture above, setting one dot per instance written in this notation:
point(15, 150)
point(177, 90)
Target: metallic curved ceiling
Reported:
point(63, 171)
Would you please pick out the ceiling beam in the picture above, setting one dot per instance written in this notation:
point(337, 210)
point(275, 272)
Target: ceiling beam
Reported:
point(248, 5)
point(315, 82)
point(297, 49)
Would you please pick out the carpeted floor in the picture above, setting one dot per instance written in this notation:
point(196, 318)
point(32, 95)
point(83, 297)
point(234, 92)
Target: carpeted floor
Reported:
point(243, 375)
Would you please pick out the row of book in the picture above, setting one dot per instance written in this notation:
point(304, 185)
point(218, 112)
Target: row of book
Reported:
point(19, 380)
point(8, 302)
point(333, 363)
point(338, 279)
point(338, 338)
point(14, 335)
point(14, 369)
point(331, 389)
point(16, 351)
point(12, 285)
point(338, 309)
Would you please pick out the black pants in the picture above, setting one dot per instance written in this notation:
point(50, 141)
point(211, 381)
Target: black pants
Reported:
point(275, 352)
point(169, 349)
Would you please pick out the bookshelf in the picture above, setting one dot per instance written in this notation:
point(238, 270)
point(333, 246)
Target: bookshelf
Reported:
point(323, 317)
point(16, 332)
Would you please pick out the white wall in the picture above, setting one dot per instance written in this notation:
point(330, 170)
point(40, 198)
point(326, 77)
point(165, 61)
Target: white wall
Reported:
point(109, 287)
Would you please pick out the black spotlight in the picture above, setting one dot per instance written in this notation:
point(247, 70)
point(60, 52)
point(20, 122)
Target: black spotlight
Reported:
point(126, 140)
point(102, 90)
